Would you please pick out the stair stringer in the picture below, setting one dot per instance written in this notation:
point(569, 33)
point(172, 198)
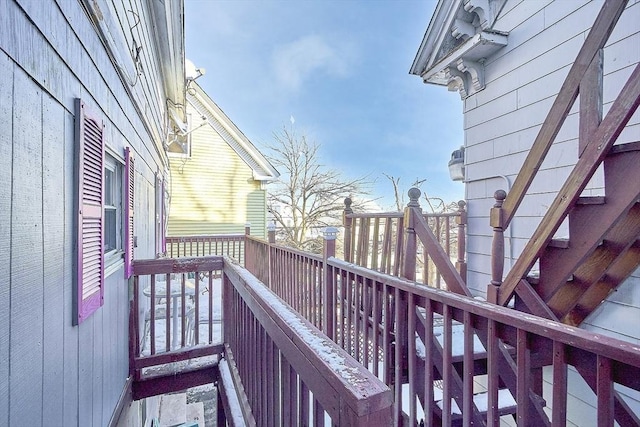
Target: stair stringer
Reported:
point(589, 224)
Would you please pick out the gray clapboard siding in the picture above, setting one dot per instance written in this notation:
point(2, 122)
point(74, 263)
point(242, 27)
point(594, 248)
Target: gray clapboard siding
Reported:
point(49, 55)
point(6, 158)
point(543, 42)
point(53, 149)
point(26, 333)
point(70, 333)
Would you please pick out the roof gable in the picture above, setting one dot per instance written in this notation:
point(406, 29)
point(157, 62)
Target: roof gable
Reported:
point(263, 170)
point(459, 38)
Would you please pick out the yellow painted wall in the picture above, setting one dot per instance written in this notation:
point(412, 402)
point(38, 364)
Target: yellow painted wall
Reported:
point(213, 191)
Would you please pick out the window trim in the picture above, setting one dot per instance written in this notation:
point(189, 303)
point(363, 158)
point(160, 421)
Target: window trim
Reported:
point(113, 259)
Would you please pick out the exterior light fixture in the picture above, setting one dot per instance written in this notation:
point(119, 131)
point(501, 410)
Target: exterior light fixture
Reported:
point(456, 165)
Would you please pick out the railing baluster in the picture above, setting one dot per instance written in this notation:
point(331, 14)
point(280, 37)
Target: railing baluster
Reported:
point(152, 315)
point(469, 371)
point(411, 350)
point(386, 343)
point(447, 367)
point(524, 378)
point(375, 327)
point(559, 408)
point(605, 391)
point(399, 324)
point(493, 353)
point(167, 312)
point(429, 402)
point(357, 304)
point(366, 294)
point(303, 405)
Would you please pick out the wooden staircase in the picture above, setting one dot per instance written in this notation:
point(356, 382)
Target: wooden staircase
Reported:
point(603, 248)
point(577, 274)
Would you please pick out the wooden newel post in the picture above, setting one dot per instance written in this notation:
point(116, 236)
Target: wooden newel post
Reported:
point(496, 219)
point(328, 288)
point(347, 222)
point(410, 241)
point(271, 236)
point(271, 233)
point(247, 229)
point(461, 220)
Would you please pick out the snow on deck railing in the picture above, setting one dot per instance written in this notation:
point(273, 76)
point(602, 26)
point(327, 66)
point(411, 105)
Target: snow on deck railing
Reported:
point(290, 371)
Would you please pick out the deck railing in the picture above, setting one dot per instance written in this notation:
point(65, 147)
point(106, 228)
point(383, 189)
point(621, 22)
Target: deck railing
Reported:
point(294, 275)
point(174, 316)
point(377, 241)
point(207, 245)
point(384, 322)
point(292, 374)
point(477, 351)
point(186, 313)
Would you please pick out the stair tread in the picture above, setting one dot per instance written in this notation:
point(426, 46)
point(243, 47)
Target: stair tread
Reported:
point(457, 343)
point(195, 413)
point(591, 200)
point(623, 148)
point(173, 409)
point(506, 403)
point(559, 242)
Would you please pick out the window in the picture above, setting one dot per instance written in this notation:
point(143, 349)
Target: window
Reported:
point(113, 210)
point(161, 215)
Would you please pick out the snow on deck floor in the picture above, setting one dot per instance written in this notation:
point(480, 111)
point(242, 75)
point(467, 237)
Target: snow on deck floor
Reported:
point(161, 326)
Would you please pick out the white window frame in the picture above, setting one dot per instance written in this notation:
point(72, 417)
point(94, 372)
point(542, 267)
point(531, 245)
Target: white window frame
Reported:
point(114, 257)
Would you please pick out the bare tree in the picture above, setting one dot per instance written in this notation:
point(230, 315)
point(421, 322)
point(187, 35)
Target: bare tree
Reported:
point(309, 195)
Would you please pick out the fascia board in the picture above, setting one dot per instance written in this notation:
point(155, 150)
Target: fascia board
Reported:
point(476, 49)
point(241, 141)
point(441, 21)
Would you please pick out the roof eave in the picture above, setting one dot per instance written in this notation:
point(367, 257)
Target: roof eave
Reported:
point(169, 28)
point(268, 172)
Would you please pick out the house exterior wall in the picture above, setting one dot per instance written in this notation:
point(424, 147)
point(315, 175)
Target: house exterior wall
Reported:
point(502, 120)
point(213, 190)
point(52, 372)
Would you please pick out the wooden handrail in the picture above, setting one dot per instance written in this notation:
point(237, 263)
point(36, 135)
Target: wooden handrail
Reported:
point(346, 390)
point(598, 36)
point(452, 277)
point(384, 241)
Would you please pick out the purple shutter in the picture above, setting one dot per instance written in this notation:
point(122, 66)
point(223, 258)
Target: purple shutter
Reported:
point(164, 217)
point(129, 180)
point(90, 233)
point(158, 223)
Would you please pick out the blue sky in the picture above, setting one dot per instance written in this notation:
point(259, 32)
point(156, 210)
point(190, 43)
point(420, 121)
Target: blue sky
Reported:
point(340, 68)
